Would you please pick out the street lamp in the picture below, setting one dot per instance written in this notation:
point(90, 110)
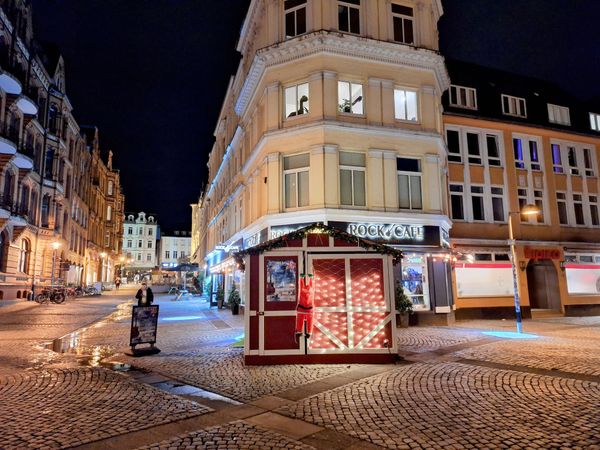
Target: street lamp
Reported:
point(528, 210)
point(55, 246)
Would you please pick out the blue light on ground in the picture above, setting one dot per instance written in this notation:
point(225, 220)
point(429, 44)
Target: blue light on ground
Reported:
point(511, 335)
point(179, 318)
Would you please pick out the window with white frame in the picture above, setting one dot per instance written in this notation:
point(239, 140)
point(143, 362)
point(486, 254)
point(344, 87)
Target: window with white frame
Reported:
point(513, 106)
point(473, 150)
point(148, 257)
point(534, 156)
point(457, 202)
point(518, 152)
point(295, 17)
point(595, 121)
point(350, 97)
point(522, 198)
point(405, 105)
point(149, 244)
point(572, 159)
point(578, 209)
point(167, 254)
point(538, 199)
point(149, 231)
point(349, 16)
point(175, 254)
point(129, 244)
point(295, 180)
point(493, 150)
point(498, 203)
point(453, 139)
point(527, 154)
point(352, 179)
point(130, 230)
point(593, 200)
point(557, 166)
point(296, 100)
point(558, 114)
point(561, 202)
point(588, 161)
point(463, 97)
point(140, 244)
point(403, 25)
point(409, 183)
point(477, 203)
point(139, 256)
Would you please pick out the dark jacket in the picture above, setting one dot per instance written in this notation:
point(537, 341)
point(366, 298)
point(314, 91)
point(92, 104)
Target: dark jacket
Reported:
point(149, 297)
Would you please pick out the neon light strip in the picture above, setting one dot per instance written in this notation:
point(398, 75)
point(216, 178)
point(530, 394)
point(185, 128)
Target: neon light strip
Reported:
point(582, 266)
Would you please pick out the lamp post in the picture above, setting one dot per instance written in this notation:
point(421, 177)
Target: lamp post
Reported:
point(528, 210)
point(55, 246)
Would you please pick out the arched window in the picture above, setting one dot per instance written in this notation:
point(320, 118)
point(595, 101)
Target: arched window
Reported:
point(24, 256)
point(7, 192)
point(4, 245)
point(24, 202)
point(110, 188)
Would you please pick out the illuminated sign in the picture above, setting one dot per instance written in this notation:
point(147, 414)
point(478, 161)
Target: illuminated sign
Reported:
point(387, 231)
point(282, 230)
point(542, 253)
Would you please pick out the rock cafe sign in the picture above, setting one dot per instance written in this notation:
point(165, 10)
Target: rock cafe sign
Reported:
point(387, 231)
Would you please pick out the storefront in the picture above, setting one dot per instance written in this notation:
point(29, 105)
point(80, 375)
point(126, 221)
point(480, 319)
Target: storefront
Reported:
point(351, 316)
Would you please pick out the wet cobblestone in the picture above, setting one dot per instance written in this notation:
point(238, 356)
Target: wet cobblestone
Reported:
point(64, 408)
point(451, 405)
point(231, 436)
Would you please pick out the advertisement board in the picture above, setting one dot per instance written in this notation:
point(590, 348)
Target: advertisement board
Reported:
point(144, 323)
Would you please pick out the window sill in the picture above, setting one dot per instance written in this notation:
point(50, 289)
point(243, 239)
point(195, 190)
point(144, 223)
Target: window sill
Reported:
point(297, 117)
point(406, 121)
point(345, 114)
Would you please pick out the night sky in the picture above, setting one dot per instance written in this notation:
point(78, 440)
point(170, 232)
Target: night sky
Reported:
point(152, 74)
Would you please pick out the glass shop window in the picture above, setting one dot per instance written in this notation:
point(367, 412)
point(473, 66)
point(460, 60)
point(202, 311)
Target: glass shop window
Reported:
point(414, 281)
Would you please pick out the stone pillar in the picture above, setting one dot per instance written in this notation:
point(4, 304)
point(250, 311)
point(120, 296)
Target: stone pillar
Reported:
point(387, 102)
point(373, 103)
point(430, 184)
point(390, 180)
point(315, 83)
point(273, 174)
point(329, 95)
point(375, 189)
point(273, 113)
point(317, 186)
point(331, 176)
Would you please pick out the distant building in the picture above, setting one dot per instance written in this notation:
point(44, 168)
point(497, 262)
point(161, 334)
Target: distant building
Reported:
point(140, 236)
point(174, 248)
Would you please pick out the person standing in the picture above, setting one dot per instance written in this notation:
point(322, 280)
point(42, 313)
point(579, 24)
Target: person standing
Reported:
point(117, 283)
point(144, 295)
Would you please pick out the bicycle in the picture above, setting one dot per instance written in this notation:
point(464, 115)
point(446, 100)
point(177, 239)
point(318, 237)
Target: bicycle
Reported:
point(50, 295)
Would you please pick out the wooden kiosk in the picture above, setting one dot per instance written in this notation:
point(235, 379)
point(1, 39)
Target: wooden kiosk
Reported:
point(353, 315)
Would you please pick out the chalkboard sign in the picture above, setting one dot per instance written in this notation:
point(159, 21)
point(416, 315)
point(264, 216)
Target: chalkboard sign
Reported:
point(144, 322)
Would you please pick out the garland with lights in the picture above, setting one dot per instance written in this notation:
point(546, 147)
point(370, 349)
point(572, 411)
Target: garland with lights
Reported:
point(318, 228)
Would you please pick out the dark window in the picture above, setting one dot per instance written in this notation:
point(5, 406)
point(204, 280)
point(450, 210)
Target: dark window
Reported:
point(49, 163)
point(477, 202)
point(453, 146)
point(349, 16)
point(483, 256)
point(501, 257)
point(295, 17)
point(408, 165)
point(403, 24)
point(473, 148)
point(493, 152)
point(456, 200)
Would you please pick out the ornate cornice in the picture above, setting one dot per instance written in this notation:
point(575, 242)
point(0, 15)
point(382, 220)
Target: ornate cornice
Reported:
point(341, 45)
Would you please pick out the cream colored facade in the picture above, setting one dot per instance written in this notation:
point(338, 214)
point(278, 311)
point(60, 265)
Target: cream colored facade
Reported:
point(295, 144)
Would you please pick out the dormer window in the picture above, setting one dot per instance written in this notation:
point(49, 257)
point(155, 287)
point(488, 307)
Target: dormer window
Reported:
point(513, 106)
point(402, 18)
point(295, 17)
point(463, 97)
point(349, 16)
point(595, 121)
point(558, 114)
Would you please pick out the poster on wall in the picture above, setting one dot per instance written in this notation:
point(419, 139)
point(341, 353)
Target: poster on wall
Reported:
point(583, 279)
point(281, 280)
point(484, 280)
point(144, 322)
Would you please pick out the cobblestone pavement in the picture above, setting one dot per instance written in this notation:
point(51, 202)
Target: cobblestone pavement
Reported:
point(225, 373)
point(451, 405)
point(424, 339)
point(231, 436)
point(64, 408)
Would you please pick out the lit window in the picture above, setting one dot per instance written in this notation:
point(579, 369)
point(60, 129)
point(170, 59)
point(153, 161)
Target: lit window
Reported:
point(522, 197)
point(558, 114)
point(295, 17)
point(409, 183)
point(352, 179)
point(405, 105)
point(518, 152)
point(110, 187)
point(109, 213)
point(595, 121)
point(349, 16)
point(561, 201)
point(457, 202)
point(498, 204)
point(534, 156)
point(402, 17)
point(463, 97)
point(513, 106)
point(296, 100)
point(538, 198)
point(296, 178)
point(477, 202)
point(556, 159)
point(453, 138)
point(350, 97)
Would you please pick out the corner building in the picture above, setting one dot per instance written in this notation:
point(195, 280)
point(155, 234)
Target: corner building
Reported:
point(335, 116)
point(514, 141)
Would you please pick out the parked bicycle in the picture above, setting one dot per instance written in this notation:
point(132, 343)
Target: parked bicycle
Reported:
point(53, 295)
